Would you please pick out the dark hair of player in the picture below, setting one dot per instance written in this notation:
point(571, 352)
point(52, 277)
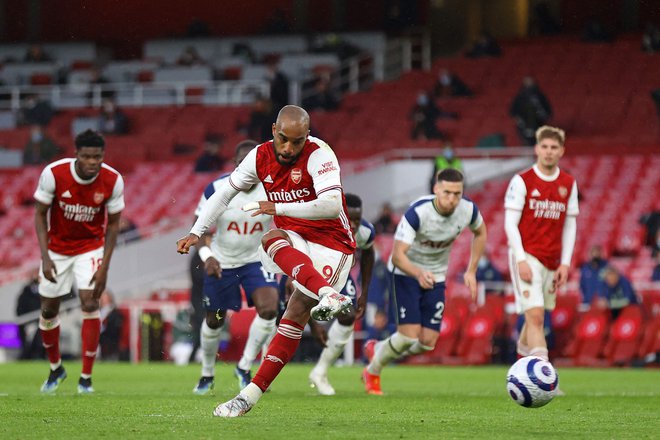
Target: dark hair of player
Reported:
point(353, 201)
point(89, 138)
point(248, 143)
point(449, 175)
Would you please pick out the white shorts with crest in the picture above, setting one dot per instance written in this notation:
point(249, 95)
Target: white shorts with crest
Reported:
point(335, 266)
point(80, 268)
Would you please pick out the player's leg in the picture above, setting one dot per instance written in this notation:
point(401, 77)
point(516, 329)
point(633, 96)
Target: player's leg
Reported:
point(289, 332)
point(408, 296)
point(218, 295)
point(261, 289)
point(288, 253)
point(432, 307)
point(281, 349)
point(522, 292)
point(84, 267)
point(530, 297)
point(49, 321)
point(339, 334)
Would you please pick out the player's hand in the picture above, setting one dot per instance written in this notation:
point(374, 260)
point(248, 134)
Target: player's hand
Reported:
point(184, 244)
point(470, 280)
point(426, 279)
point(560, 278)
point(525, 271)
point(212, 267)
point(49, 270)
point(99, 280)
point(319, 333)
point(361, 306)
point(261, 207)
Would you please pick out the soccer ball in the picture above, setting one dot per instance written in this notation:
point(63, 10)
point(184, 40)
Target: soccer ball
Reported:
point(532, 382)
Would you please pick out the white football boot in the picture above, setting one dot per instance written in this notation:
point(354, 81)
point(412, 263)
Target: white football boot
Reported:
point(320, 382)
point(235, 407)
point(331, 303)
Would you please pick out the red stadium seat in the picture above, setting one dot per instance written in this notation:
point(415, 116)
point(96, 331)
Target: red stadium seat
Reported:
point(625, 336)
point(586, 347)
point(476, 344)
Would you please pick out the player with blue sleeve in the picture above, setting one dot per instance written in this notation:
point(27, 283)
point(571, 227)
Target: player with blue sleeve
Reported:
point(419, 262)
point(231, 261)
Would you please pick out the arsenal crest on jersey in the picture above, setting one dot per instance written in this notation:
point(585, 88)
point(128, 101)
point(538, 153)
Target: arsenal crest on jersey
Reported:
point(296, 175)
point(563, 191)
point(98, 197)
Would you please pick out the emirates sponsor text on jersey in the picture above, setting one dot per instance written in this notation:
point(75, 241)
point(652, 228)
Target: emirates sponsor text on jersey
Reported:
point(292, 195)
point(549, 209)
point(78, 212)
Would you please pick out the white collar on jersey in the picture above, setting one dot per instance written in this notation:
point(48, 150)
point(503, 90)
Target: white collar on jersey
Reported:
point(544, 176)
point(77, 178)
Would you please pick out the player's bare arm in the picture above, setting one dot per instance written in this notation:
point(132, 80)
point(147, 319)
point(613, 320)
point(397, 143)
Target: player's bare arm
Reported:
point(477, 250)
point(41, 225)
point(100, 277)
point(184, 244)
point(367, 259)
point(400, 259)
point(212, 267)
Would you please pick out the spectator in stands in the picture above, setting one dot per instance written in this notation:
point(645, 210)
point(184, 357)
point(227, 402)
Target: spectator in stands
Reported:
point(385, 223)
point(128, 231)
point(112, 322)
point(112, 120)
point(485, 46)
point(279, 86)
point(424, 115)
point(278, 23)
point(449, 84)
point(530, 109)
point(544, 21)
point(243, 50)
point(210, 161)
point(651, 39)
point(322, 97)
point(655, 96)
point(447, 159)
point(40, 148)
point(652, 222)
point(260, 125)
point(96, 78)
point(29, 301)
point(197, 28)
point(35, 111)
point(617, 291)
point(656, 269)
point(190, 57)
point(488, 273)
point(595, 32)
point(36, 54)
point(591, 275)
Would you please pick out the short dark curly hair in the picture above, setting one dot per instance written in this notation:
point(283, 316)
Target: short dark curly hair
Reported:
point(89, 138)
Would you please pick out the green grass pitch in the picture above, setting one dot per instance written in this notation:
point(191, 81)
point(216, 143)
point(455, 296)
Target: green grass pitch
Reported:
point(154, 400)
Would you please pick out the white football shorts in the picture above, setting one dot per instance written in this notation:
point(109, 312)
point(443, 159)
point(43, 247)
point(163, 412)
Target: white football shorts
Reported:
point(335, 266)
point(69, 267)
point(540, 292)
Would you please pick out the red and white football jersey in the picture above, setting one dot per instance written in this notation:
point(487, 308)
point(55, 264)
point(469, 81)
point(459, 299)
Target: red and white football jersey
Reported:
point(77, 206)
point(315, 172)
point(545, 201)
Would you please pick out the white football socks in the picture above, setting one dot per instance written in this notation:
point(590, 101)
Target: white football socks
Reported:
point(388, 350)
point(261, 330)
point(338, 337)
point(418, 348)
point(209, 341)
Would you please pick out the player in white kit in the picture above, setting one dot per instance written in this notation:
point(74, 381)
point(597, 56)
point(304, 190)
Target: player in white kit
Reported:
point(419, 262)
point(231, 261)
